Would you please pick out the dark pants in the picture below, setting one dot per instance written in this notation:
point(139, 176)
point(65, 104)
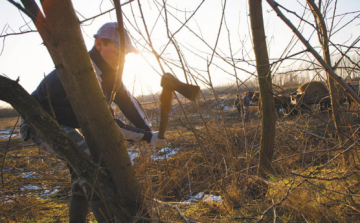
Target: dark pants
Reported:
point(246, 113)
point(82, 195)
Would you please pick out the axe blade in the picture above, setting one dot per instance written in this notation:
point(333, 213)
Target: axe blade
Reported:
point(190, 92)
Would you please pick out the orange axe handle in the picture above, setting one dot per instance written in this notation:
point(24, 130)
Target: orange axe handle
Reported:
point(165, 100)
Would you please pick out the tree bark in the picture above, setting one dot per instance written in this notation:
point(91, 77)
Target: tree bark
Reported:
point(333, 87)
point(49, 130)
point(62, 37)
point(265, 88)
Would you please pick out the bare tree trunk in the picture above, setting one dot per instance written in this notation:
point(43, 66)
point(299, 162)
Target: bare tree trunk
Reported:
point(333, 87)
point(62, 36)
point(265, 88)
point(49, 130)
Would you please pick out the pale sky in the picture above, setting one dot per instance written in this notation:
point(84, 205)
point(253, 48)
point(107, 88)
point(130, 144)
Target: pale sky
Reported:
point(25, 57)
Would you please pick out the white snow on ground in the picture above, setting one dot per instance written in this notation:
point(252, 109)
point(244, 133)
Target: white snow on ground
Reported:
point(133, 155)
point(31, 187)
point(228, 107)
point(205, 198)
point(29, 175)
point(5, 133)
point(27, 188)
point(165, 153)
point(50, 192)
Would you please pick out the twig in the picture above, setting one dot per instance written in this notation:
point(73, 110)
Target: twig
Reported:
point(282, 200)
point(17, 5)
point(6, 150)
point(122, 51)
point(202, 40)
point(325, 179)
point(218, 35)
point(94, 17)
point(175, 207)
point(3, 161)
point(14, 34)
point(298, 154)
point(149, 38)
point(326, 67)
point(272, 200)
point(334, 191)
point(172, 35)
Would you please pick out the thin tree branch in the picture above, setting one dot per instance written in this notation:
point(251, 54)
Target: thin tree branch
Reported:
point(328, 69)
point(121, 30)
point(277, 204)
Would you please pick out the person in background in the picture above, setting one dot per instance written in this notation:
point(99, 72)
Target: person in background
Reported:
point(237, 104)
point(105, 57)
point(246, 106)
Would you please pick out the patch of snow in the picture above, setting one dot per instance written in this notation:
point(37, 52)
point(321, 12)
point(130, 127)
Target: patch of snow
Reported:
point(7, 169)
point(41, 194)
point(165, 153)
point(61, 168)
point(205, 198)
point(5, 133)
point(49, 192)
point(133, 155)
point(29, 175)
point(228, 107)
point(31, 187)
point(212, 198)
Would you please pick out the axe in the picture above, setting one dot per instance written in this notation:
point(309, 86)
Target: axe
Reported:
point(170, 84)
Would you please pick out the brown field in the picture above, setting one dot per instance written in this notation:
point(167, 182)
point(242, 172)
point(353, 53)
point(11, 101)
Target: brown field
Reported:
point(218, 158)
point(8, 122)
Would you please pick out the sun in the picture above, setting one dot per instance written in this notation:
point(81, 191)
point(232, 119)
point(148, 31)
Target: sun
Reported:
point(139, 77)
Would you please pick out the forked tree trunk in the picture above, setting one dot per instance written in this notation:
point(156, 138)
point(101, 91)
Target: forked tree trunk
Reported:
point(265, 87)
point(61, 34)
point(50, 131)
point(333, 87)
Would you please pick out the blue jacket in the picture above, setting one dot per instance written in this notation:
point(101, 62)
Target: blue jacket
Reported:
point(246, 101)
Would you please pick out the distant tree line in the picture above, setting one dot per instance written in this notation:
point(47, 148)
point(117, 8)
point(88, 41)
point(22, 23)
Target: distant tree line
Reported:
point(8, 113)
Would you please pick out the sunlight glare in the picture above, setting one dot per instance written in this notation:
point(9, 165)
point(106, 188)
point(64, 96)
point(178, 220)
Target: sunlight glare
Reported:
point(147, 81)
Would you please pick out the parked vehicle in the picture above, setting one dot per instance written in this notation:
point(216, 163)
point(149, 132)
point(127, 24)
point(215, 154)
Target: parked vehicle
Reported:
point(316, 92)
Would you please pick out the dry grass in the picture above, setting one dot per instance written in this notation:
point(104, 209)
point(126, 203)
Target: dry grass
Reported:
point(8, 122)
point(308, 183)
